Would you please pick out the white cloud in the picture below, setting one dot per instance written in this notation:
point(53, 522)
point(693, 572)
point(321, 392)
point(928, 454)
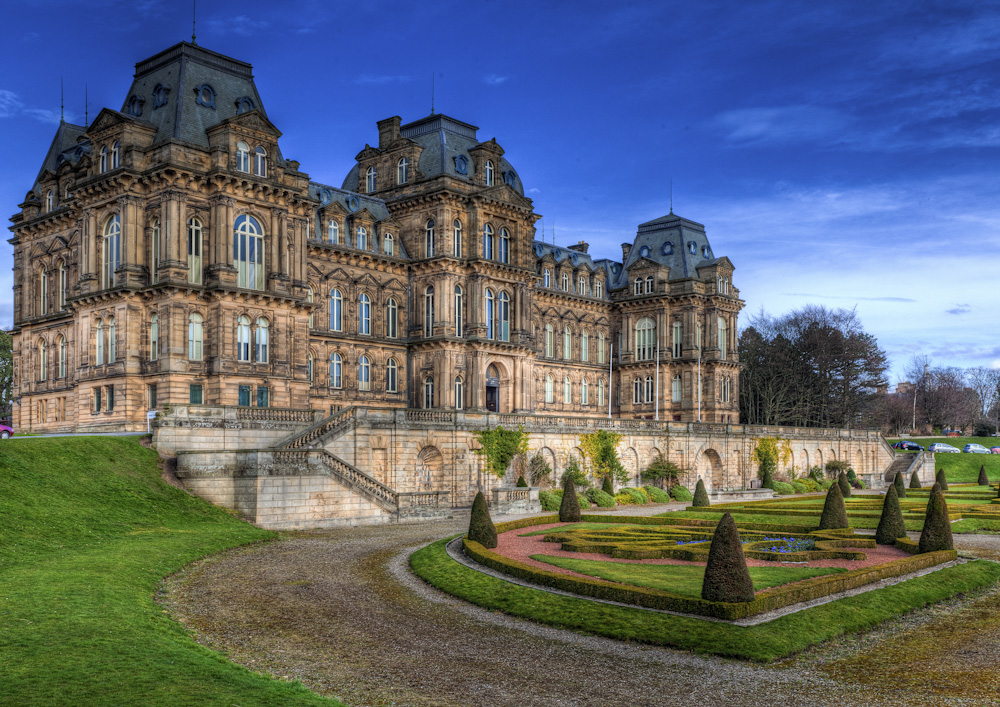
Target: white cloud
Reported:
point(11, 106)
point(379, 79)
point(495, 79)
point(781, 124)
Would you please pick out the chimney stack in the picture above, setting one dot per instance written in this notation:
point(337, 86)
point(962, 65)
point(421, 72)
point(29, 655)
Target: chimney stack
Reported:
point(388, 131)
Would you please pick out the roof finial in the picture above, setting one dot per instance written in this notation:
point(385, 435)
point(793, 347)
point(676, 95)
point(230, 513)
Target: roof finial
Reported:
point(432, 93)
point(194, 19)
point(671, 196)
point(62, 103)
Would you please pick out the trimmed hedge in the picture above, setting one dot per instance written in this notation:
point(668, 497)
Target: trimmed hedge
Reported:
point(700, 496)
point(521, 483)
point(942, 479)
point(600, 498)
point(607, 486)
point(914, 481)
point(550, 500)
point(890, 525)
point(638, 495)
point(569, 507)
point(582, 500)
point(657, 495)
point(834, 512)
point(780, 487)
point(983, 480)
point(624, 499)
point(481, 528)
point(727, 578)
point(800, 487)
point(936, 534)
point(844, 484)
point(897, 483)
point(681, 494)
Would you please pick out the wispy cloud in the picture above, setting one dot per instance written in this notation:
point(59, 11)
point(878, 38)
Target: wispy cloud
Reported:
point(381, 79)
point(11, 106)
point(495, 79)
point(959, 309)
point(781, 124)
point(853, 298)
point(240, 24)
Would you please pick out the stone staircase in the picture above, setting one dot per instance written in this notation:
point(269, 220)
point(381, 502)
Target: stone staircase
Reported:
point(323, 431)
point(347, 474)
point(902, 463)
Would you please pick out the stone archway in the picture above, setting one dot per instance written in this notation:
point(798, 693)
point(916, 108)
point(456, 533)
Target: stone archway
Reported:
point(630, 460)
point(711, 470)
point(498, 393)
point(550, 458)
point(429, 473)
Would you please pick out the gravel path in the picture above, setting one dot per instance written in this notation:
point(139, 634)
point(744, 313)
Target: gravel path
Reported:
point(340, 611)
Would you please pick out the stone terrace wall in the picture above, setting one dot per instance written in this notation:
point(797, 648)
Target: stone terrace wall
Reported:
point(211, 427)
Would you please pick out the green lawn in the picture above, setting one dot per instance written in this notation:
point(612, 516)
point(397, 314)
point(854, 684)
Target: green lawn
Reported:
point(87, 531)
point(573, 526)
point(964, 468)
point(680, 579)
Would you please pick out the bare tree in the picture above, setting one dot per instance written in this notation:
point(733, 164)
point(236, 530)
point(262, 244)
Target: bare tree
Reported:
point(985, 383)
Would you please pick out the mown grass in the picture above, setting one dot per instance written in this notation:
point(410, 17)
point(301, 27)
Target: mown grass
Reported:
point(87, 531)
point(574, 526)
point(964, 467)
point(680, 579)
point(764, 642)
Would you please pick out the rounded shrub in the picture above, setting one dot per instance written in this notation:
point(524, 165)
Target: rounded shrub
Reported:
point(844, 484)
point(914, 481)
point(799, 487)
point(521, 483)
point(481, 528)
point(639, 496)
point(890, 525)
point(825, 484)
point(942, 479)
point(569, 508)
point(657, 495)
point(936, 534)
point(810, 483)
point(549, 500)
point(607, 486)
point(852, 478)
point(834, 511)
point(983, 479)
point(623, 498)
point(601, 499)
point(898, 484)
point(726, 575)
point(582, 500)
point(700, 496)
point(680, 493)
point(780, 487)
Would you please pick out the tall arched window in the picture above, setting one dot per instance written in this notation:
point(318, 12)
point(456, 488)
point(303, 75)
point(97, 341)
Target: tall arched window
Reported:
point(644, 346)
point(260, 161)
point(112, 340)
point(402, 171)
point(243, 338)
point(489, 173)
point(567, 343)
point(600, 392)
point(649, 389)
point(564, 282)
point(675, 389)
point(391, 318)
point(567, 391)
point(722, 338)
point(242, 157)
point(248, 253)
point(196, 336)
point(262, 340)
point(364, 373)
point(50, 201)
point(388, 244)
point(309, 298)
point(364, 314)
point(61, 298)
point(194, 251)
point(310, 367)
point(362, 240)
point(637, 288)
point(503, 314)
point(43, 292)
point(333, 231)
point(459, 312)
point(428, 392)
point(457, 238)
point(429, 311)
point(459, 393)
point(429, 238)
point(111, 251)
point(546, 278)
point(99, 342)
point(336, 371)
point(581, 285)
point(549, 343)
point(154, 337)
point(104, 159)
point(154, 251)
point(678, 339)
point(598, 289)
point(43, 360)
point(584, 392)
point(116, 155)
point(336, 310)
point(637, 390)
point(649, 285)
point(61, 352)
point(488, 242)
point(391, 375)
point(549, 392)
point(370, 180)
point(600, 347)
point(491, 313)
point(504, 255)
point(585, 346)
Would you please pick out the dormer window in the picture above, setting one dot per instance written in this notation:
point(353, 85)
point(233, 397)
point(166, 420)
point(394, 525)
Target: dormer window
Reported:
point(115, 155)
point(706, 252)
point(104, 159)
point(370, 180)
point(667, 248)
point(649, 285)
point(488, 173)
point(50, 201)
point(204, 95)
point(508, 177)
point(581, 287)
point(546, 278)
point(260, 162)
point(403, 171)
point(644, 252)
point(244, 105)
point(242, 157)
point(134, 106)
point(565, 282)
point(362, 243)
point(598, 289)
point(333, 231)
point(388, 244)
point(160, 95)
point(637, 288)
point(692, 248)
point(461, 165)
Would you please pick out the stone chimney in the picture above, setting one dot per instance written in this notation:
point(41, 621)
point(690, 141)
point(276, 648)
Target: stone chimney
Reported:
point(388, 131)
point(626, 249)
point(580, 247)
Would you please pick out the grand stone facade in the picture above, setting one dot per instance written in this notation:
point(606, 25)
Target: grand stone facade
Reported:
point(169, 254)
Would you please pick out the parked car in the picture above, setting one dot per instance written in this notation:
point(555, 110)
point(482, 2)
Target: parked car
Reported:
point(942, 448)
point(975, 449)
point(908, 446)
point(6, 432)
point(994, 450)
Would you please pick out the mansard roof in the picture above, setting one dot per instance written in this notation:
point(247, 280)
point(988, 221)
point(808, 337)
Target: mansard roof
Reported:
point(65, 147)
point(676, 242)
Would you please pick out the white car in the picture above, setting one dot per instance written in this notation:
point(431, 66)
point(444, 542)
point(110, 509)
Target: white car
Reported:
point(975, 449)
point(942, 448)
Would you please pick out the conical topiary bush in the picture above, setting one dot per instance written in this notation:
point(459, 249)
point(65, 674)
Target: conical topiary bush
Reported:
point(936, 534)
point(983, 480)
point(844, 484)
point(936, 487)
point(607, 486)
point(726, 575)
point(569, 508)
point(700, 496)
point(481, 528)
point(890, 525)
point(834, 511)
point(521, 482)
point(914, 481)
point(899, 486)
point(942, 479)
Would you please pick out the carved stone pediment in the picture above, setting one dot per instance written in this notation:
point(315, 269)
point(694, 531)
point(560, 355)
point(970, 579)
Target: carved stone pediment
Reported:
point(107, 119)
point(368, 153)
point(254, 120)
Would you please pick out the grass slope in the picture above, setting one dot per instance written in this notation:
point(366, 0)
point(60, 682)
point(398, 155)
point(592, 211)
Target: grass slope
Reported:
point(87, 531)
point(964, 468)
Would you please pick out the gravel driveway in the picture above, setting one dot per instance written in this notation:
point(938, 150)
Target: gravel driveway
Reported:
point(339, 610)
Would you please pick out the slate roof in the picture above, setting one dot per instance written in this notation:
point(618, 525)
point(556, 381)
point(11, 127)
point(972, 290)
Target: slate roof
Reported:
point(64, 148)
point(671, 240)
point(352, 202)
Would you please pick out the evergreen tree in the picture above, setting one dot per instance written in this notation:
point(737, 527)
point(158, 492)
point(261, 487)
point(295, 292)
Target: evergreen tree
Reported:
point(726, 575)
point(899, 486)
point(700, 496)
point(521, 483)
point(942, 479)
point(936, 534)
point(607, 486)
point(834, 510)
point(983, 480)
point(569, 509)
point(914, 481)
point(936, 487)
point(481, 528)
point(844, 484)
point(890, 525)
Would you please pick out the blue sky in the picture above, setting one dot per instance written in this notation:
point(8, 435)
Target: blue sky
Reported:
point(840, 153)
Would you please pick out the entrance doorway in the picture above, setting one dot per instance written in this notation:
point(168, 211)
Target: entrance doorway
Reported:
point(492, 389)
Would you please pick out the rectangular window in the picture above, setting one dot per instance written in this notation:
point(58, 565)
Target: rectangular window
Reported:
point(195, 394)
point(151, 396)
point(244, 399)
point(111, 398)
point(678, 336)
point(263, 396)
point(97, 399)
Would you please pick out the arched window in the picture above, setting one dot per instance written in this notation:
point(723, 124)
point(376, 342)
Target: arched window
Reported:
point(429, 311)
point(600, 392)
point(678, 339)
point(637, 390)
point(644, 348)
point(364, 373)
point(333, 231)
point(722, 338)
point(581, 286)
point(61, 296)
point(488, 242)
point(564, 282)
point(111, 245)
point(429, 238)
point(154, 251)
point(194, 251)
point(600, 348)
point(43, 292)
point(388, 244)
point(336, 310)
point(260, 161)
point(402, 171)
point(364, 314)
point(489, 173)
point(391, 318)
point(99, 342)
point(459, 312)
point(504, 255)
point(242, 157)
point(248, 253)
point(649, 285)
point(567, 391)
point(675, 389)
point(336, 371)
point(49, 201)
point(195, 336)
point(546, 278)
point(503, 313)
point(567, 343)
point(43, 360)
point(116, 158)
point(585, 346)
point(262, 340)
point(584, 392)
point(309, 367)
point(637, 289)
point(549, 392)
point(391, 375)
point(61, 350)
point(649, 389)
point(362, 240)
point(154, 337)
point(428, 392)
point(112, 340)
point(370, 180)
point(309, 298)
point(457, 238)
point(459, 393)
point(549, 343)
point(598, 289)
point(243, 338)
point(104, 159)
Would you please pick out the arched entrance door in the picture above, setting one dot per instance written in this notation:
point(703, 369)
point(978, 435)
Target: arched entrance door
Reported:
point(492, 389)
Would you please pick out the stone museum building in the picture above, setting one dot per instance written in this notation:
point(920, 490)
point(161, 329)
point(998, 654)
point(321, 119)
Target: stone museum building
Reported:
point(169, 254)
